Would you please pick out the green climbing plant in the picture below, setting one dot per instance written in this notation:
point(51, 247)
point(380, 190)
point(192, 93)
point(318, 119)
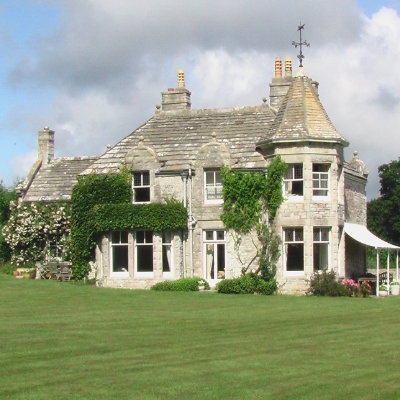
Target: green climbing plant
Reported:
point(102, 203)
point(251, 201)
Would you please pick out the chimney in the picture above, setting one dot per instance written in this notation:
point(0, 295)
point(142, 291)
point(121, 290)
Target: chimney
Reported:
point(288, 67)
point(280, 85)
point(46, 145)
point(176, 99)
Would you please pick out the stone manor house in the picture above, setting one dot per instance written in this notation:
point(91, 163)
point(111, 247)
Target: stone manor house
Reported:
point(178, 153)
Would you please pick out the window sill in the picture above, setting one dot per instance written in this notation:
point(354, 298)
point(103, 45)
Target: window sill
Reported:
point(144, 274)
point(294, 273)
point(321, 198)
point(123, 275)
point(295, 198)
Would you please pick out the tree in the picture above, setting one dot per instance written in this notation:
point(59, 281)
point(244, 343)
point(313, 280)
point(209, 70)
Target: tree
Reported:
point(6, 195)
point(384, 212)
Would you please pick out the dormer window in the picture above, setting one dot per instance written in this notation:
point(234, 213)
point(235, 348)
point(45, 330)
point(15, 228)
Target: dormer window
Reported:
point(141, 187)
point(320, 179)
point(293, 180)
point(213, 186)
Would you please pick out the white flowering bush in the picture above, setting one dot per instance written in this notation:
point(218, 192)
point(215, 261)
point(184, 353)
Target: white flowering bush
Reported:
point(33, 229)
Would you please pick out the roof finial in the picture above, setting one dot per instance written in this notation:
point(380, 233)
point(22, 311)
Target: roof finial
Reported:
point(181, 79)
point(300, 56)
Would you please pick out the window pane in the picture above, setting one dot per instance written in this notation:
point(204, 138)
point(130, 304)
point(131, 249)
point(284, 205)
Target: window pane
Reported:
point(149, 236)
point(115, 236)
point(298, 235)
point(144, 258)
point(218, 179)
point(167, 237)
point(137, 179)
point(210, 178)
point(142, 194)
point(325, 234)
point(221, 261)
point(320, 254)
point(220, 235)
point(209, 235)
point(295, 257)
point(120, 258)
point(124, 237)
point(139, 236)
point(298, 171)
point(297, 188)
point(146, 178)
point(167, 255)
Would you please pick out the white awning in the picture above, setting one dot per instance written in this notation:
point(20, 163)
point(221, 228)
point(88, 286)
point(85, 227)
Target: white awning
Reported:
point(363, 235)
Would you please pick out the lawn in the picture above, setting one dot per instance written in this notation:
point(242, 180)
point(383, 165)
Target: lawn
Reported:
point(63, 340)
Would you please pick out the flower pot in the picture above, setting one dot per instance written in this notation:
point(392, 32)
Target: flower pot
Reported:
point(16, 273)
point(383, 293)
point(27, 275)
point(395, 290)
point(201, 288)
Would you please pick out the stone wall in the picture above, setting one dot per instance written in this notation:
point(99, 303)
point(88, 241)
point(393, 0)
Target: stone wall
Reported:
point(355, 199)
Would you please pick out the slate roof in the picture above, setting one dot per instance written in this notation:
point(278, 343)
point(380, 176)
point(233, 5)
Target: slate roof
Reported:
point(302, 116)
point(54, 181)
point(177, 136)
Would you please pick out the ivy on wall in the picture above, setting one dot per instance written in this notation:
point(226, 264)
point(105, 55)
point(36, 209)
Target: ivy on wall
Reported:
point(102, 203)
point(156, 217)
point(248, 198)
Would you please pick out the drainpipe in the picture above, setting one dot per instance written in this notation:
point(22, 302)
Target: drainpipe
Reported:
point(184, 178)
point(191, 223)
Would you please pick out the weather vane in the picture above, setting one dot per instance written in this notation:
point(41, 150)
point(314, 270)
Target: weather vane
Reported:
point(300, 56)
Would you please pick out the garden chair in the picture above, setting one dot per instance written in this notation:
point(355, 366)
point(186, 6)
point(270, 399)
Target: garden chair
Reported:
point(50, 270)
point(65, 272)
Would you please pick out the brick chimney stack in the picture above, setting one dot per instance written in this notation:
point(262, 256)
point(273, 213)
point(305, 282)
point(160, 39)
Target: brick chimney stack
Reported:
point(177, 99)
point(280, 84)
point(46, 145)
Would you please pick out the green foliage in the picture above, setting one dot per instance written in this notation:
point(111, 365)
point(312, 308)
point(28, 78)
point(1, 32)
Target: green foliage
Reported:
point(325, 283)
point(157, 217)
point(274, 194)
point(102, 203)
point(243, 194)
point(8, 269)
point(247, 284)
point(92, 190)
point(180, 285)
point(384, 212)
point(32, 227)
point(248, 197)
point(6, 196)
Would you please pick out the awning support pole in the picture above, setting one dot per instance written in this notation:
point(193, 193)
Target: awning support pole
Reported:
point(377, 272)
point(388, 265)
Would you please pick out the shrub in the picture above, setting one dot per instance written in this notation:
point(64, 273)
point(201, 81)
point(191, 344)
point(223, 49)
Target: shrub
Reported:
point(8, 269)
point(324, 283)
point(180, 285)
point(247, 284)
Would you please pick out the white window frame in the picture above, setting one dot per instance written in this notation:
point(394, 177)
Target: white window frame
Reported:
point(292, 235)
point(214, 179)
point(143, 175)
point(212, 238)
point(292, 175)
point(136, 245)
point(168, 244)
point(322, 235)
point(112, 246)
point(318, 180)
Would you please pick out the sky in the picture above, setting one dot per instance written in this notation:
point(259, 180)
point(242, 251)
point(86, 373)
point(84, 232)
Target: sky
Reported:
point(93, 70)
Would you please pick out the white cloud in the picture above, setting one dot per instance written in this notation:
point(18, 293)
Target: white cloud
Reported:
point(110, 59)
point(21, 165)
